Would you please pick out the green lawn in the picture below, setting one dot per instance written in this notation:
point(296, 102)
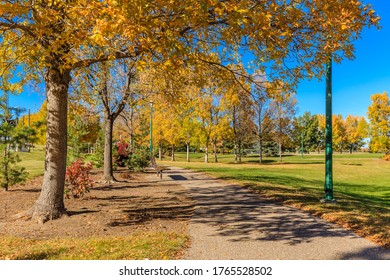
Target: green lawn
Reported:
point(33, 161)
point(361, 186)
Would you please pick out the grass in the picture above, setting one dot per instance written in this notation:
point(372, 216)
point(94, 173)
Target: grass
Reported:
point(33, 161)
point(154, 245)
point(361, 186)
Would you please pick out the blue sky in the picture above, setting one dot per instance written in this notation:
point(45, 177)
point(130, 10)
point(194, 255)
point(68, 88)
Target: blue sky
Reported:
point(353, 81)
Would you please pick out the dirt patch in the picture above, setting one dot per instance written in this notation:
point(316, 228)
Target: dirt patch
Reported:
point(139, 202)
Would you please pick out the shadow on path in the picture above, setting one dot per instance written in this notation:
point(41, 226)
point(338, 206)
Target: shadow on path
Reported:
point(232, 214)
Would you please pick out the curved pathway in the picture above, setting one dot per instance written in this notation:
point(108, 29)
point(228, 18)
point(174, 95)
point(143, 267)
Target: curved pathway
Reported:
point(230, 222)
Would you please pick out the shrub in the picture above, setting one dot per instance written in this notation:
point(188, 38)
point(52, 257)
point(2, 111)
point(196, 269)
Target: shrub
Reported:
point(77, 180)
point(139, 160)
point(10, 173)
point(121, 153)
point(386, 157)
point(96, 159)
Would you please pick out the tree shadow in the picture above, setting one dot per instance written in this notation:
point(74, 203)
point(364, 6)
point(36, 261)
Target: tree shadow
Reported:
point(241, 216)
point(81, 212)
point(144, 209)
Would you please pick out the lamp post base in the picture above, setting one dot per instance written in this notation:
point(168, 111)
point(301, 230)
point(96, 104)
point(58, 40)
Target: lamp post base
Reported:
point(331, 201)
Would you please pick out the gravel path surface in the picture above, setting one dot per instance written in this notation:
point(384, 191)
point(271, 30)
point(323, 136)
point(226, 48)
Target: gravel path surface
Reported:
point(230, 222)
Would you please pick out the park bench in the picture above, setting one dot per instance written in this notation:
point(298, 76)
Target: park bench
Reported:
point(159, 169)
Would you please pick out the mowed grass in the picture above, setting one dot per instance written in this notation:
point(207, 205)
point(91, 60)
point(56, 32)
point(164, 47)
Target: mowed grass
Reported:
point(153, 245)
point(33, 161)
point(361, 186)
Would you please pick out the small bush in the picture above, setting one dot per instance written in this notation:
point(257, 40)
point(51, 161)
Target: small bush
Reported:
point(121, 153)
point(96, 159)
point(77, 180)
point(139, 160)
point(386, 157)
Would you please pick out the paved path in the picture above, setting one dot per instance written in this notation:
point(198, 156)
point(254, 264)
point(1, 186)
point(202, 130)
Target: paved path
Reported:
point(230, 222)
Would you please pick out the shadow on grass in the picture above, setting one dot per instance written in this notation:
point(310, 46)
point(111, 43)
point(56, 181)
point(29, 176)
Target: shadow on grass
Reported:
point(43, 254)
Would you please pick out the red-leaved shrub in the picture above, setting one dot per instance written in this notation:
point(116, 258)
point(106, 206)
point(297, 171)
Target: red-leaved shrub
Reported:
point(77, 180)
point(121, 153)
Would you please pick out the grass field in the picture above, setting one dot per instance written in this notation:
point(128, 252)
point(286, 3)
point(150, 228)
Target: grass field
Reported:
point(361, 186)
point(154, 245)
point(33, 161)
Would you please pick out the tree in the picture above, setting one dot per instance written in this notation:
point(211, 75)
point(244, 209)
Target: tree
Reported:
point(83, 127)
point(356, 130)
point(241, 115)
point(308, 132)
point(262, 114)
point(37, 123)
point(339, 133)
point(284, 108)
point(379, 117)
point(9, 173)
point(56, 37)
point(109, 85)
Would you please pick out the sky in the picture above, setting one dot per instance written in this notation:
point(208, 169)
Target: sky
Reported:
point(353, 81)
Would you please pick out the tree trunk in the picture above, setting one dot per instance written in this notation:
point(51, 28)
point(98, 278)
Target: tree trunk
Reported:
point(239, 151)
point(173, 152)
point(215, 151)
point(50, 203)
point(108, 174)
point(235, 153)
point(206, 155)
point(160, 152)
point(280, 151)
point(260, 151)
point(188, 152)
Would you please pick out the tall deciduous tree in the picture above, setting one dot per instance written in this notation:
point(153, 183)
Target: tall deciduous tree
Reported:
point(53, 36)
point(284, 106)
point(356, 130)
point(263, 114)
point(379, 116)
point(308, 131)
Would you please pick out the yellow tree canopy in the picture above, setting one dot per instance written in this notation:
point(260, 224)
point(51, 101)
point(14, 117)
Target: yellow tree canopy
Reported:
point(37, 121)
point(44, 33)
point(379, 116)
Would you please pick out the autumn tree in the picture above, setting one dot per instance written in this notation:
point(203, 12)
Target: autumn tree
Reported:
point(36, 122)
point(55, 37)
point(263, 114)
point(379, 117)
point(83, 128)
point(339, 133)
point(241, 115)
point(284, 106)
point(356, 130)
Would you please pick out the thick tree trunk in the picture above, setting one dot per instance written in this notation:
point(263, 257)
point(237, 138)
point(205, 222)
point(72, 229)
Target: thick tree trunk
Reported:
point(173, 153)
point(108, 174)
point(206, 155)
point(50, 203)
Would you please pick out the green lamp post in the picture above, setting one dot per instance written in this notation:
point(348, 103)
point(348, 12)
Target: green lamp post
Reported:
point(328, 136)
